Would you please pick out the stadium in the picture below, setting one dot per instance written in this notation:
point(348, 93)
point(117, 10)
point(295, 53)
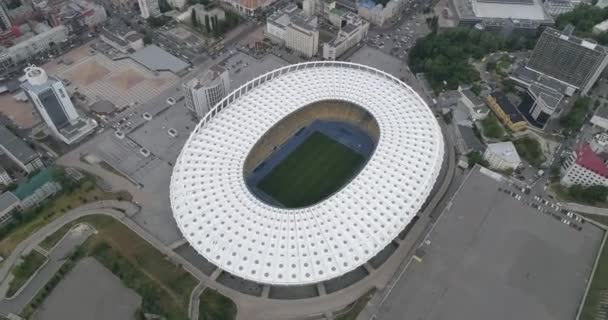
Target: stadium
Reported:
point(306, 173)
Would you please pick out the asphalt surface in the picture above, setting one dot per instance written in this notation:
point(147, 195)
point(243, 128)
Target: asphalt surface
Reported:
point(492, 256)
point(104, 297)
point(56, 258)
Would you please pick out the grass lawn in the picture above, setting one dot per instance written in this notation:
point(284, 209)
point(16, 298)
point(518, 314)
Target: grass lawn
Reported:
point(599, 284)
point(492, 128)
point(23, 271)
point(214, 306)
point(54, 208)
point(164, 287)
point(313, 171)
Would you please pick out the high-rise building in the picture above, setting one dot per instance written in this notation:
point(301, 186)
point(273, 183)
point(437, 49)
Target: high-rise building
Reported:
point(568, 59)
point(53, 103)
point(148, 8)
point(5, 19)
point(204, 92)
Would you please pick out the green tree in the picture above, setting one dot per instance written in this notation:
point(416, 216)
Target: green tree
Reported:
point(474, 157)
point(491, 127)
point(591, 194)
point(147, 39)
point(573, 120)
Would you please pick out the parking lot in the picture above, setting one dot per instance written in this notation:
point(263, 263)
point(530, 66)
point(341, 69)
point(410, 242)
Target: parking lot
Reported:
point(497, 253)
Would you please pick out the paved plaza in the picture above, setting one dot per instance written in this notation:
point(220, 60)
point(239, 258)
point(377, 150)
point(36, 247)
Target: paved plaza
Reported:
point(491, 256)
point(99, 78)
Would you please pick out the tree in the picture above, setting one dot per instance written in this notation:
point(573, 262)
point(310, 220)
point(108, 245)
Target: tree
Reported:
point(591, 194)
point(475, 157)
point(491, 127)
point(193, 18)
point(147, 39)
point(573, 120)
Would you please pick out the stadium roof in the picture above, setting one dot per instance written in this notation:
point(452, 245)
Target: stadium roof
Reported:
point(244, 236)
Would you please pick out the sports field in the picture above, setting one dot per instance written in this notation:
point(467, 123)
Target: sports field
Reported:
point(314, 170)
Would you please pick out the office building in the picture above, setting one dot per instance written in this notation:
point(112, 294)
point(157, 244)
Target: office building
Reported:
point(568, 59)
point(203, 93)
point(505, 111)
point(5, 19)
point(80, 16)
point(122, 38)
point(289, 26)
point(502, 156)
point(148, 8)
point(352, 30)
point(53, 103)
point(501, 14)
point(38, 188)
point(18, 151)
point(600, 27)
point(586, 165)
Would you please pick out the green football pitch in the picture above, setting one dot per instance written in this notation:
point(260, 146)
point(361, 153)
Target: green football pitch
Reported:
point(313, 171)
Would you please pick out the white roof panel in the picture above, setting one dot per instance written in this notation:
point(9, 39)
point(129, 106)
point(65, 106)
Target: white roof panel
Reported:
point(236, 231)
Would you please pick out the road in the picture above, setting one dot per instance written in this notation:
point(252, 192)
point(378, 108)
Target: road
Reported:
point(56, 259)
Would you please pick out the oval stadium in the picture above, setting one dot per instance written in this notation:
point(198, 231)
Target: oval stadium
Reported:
point(306, 173)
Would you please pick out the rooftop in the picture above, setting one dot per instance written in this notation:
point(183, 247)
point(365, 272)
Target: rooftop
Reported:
point(28, 188)
point(588, 159)
point(516, 11)
point(157, 59)
point(576, 40)
point(292, 16)
point(506, 106)
point(505, 150)
point(550, 97)
point(7, 200)
point(17, 147)
point(488, 246)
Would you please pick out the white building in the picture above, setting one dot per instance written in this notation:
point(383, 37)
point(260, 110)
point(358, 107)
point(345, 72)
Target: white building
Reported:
point(349, 35)
point(18, 151)
point(204, 92)
point(600, 118)
point(478, 110)
point(586, 166)
point(53, 103)
point(148, 8)
point(376, 13)
point(289, 26)
point(37, 44)
point(502, 156)
point(202, 13)
point(600, 27)
point(602, 3)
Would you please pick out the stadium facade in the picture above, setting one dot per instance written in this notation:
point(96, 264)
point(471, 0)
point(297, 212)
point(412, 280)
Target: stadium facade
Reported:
point(241, 234)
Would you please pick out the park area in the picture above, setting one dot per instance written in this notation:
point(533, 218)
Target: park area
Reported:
point(316, 169)
point(72, 195)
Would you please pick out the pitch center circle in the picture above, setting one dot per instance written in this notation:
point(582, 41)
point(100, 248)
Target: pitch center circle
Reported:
point(310, 154)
